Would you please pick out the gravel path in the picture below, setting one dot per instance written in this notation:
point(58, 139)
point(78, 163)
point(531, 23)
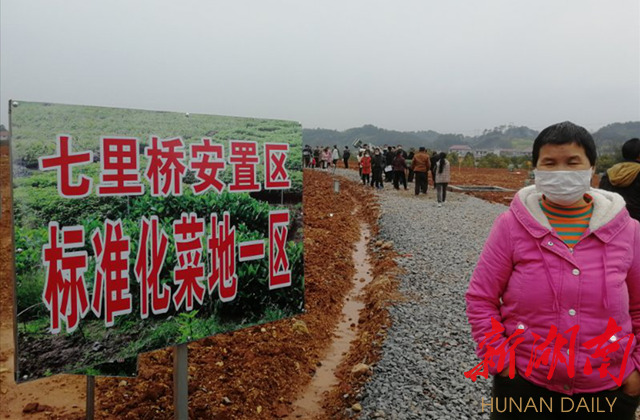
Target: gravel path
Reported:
point(429, 346)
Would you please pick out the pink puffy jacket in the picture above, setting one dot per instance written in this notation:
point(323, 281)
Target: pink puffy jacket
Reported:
point(527, 278)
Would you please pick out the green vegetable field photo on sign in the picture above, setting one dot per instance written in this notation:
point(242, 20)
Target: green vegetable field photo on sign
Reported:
point(137, 230)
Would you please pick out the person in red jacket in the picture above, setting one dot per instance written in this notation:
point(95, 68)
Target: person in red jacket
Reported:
point(554, 301)
point(365, 164)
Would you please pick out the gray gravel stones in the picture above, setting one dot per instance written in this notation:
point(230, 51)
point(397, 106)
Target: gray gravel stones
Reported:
point(429, 346)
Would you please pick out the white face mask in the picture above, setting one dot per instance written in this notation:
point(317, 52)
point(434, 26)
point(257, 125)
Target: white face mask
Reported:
point(563, 187)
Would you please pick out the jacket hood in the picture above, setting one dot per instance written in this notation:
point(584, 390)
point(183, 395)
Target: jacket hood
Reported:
point(609, 212)
point(623, 174)
point(609, 217)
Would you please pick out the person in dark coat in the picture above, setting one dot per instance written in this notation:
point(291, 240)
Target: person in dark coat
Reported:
point(624, 178)
point(388, 175)
point(377, 166)
point(399, 168)
point(307, 154)
point(404, 153)
point(316, 156)
point(345, 157)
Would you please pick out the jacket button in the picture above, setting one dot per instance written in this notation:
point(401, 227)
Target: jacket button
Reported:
point(550, 243)
point(572, 312)
point(571, 250)
point(575, 272)
point(520, 326)
point(613, 338)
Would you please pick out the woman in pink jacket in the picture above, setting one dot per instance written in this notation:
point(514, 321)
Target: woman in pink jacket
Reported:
point(326, 158)
point(554, 301)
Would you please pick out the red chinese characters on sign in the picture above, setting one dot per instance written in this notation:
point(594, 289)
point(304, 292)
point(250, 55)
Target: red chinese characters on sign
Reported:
point(64, 161)
point(279, 272)
point(550, 355)
point(65, 291)
point(112, 272)
point(250, 250)
point(275, 173)
point(189, 272)
point(222, 254)
point(66, 296)
point(166, 167)
point(120, 168)
point(207, 160)
point(243, 157)
point(152, 251)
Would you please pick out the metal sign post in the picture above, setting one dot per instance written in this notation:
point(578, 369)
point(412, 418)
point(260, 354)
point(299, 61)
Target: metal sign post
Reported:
point(180, 383)
point(91, 387)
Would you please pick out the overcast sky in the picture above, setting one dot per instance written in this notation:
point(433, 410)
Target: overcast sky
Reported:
point(447, 65)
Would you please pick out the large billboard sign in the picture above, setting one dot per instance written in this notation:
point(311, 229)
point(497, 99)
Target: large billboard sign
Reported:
point(137, 230)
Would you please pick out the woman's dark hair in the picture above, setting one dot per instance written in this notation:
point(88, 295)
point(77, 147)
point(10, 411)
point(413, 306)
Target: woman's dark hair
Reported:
point(565, 133)
point(631, 149)
point(441, 157)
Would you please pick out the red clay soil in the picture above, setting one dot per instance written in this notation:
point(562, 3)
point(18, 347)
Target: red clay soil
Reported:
point(490, 177)
point(496, 177)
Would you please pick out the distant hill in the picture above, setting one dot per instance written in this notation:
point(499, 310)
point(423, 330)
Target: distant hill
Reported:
point(611, 137)
point(367, 133)
point(608, 138)
point(505, 137)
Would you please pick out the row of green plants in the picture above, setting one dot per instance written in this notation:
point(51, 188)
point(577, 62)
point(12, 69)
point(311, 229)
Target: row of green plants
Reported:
point(35, 125)
point(36, 199)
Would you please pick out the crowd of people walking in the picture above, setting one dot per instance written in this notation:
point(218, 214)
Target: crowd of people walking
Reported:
point(388, 164)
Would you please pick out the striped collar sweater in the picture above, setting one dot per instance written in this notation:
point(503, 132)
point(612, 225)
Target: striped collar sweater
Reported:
point(568, 222)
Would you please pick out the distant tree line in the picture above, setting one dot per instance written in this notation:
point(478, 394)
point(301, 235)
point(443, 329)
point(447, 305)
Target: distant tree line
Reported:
point(607, 138)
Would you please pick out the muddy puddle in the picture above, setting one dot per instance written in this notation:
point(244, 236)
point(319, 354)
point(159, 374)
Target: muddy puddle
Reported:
point(309, 403)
